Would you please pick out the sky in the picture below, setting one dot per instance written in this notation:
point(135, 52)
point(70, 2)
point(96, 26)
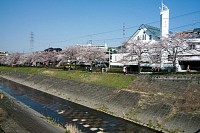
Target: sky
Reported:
point(64, 23)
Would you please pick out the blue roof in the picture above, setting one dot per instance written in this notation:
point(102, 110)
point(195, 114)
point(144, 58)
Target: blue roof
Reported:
point(154, 30)
point(151, 29)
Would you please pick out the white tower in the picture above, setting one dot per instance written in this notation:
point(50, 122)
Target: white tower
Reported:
point(164, 23)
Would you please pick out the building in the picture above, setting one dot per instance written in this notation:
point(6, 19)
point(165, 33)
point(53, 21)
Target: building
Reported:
point(187, 59)
point(146, 33)
point(190, 58)
point(3, 53)
point(53, 50)
point(100, 47)
point(150, 33)
point(164, 20)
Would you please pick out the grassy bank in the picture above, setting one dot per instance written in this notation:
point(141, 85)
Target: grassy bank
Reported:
point(107, 79)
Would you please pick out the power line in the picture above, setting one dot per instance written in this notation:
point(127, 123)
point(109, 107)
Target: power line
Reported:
point(79, 37)
point(124, 28)
point(118, 38)
point(185, 25)
point(186, 14)
point(121, 29)
point(121, 38)
point(110, 39)
point(171, 18)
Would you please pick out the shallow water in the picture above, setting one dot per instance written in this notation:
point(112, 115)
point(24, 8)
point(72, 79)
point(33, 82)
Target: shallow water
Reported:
point(63, 111)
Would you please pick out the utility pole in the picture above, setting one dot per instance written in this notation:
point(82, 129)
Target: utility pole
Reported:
point(123, 33)
point(31, 41)
point(109, 59)
point(124, 29)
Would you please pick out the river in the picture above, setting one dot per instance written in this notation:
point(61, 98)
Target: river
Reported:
point(65, 112)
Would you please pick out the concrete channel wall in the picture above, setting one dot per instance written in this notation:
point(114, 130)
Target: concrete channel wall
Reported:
point(149, 108)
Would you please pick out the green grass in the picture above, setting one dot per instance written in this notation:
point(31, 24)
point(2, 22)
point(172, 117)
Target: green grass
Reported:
point(106, 79)
point(30, 70)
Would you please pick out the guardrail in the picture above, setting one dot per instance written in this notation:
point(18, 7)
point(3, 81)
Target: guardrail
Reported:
point(175, 78)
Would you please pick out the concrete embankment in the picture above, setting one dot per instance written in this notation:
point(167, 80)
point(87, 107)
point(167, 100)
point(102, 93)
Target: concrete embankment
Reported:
point(15, 117)
point(108, 99)
point(148, 101)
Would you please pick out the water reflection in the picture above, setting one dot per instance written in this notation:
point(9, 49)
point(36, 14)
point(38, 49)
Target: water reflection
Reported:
point(63, 111)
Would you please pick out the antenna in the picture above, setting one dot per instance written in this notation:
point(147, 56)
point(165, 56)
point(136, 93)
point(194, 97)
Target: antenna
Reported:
point(162, 5)
point(31, 41)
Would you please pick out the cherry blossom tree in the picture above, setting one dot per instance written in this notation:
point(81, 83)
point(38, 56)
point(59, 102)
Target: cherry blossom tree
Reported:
point(37, 59)
point(138, 50)
point(11, 59)
point(24, 59)
point(44, 58)
point(172, 46)
point(81, 53)
point(155, 54)
point(67, 55)
point(91, 54)
point(3, 60)
point(71, 54)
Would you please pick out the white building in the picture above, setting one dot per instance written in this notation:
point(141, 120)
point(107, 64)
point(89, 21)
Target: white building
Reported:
point(150, 33)
point(164, 20)
point(101, 47)
point(121, 59)
point(3, 53)
point(146, 33)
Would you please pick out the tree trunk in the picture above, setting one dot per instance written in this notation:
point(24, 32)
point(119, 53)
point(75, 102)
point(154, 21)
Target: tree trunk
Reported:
point(174, 65)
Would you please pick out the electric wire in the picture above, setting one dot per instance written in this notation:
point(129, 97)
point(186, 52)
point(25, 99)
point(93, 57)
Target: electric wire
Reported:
point(127, 28)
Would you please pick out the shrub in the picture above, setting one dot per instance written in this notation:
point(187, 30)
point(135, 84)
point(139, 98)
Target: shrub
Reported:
point(72, 129)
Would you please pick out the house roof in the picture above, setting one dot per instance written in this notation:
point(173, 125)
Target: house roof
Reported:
point(196, 30)
point(154, 30)
point(53, 49)
point(189, 34)
point(151, 29)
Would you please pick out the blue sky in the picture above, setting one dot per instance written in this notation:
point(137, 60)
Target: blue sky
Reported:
point(62, 23)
